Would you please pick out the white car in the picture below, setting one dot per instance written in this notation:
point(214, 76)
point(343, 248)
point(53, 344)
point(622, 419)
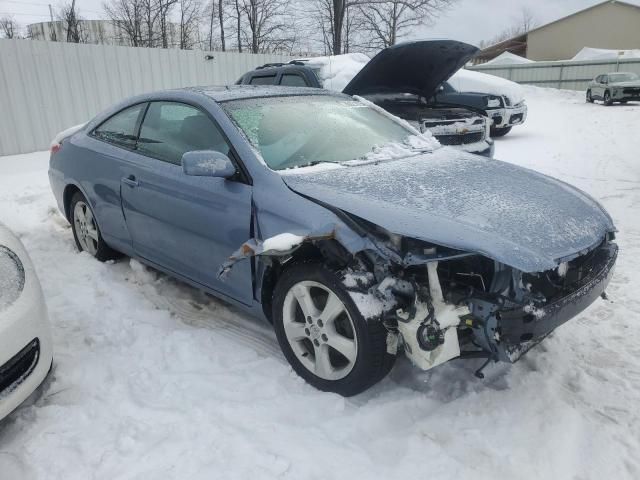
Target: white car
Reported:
point(25, 336)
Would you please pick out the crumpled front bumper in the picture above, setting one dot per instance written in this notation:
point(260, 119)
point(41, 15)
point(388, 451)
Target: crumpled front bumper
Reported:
point(522, 328)
point(508, 116)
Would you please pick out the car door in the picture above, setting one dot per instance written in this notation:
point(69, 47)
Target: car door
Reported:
point(186, 224)
point(109, 146)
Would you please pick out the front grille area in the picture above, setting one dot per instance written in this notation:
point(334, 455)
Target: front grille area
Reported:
point(19, 367)
point(462, 139)
point(631, 91)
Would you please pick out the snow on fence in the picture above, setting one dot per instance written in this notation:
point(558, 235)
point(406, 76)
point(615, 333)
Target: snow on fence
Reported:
point(568, 75)
point(46, 87)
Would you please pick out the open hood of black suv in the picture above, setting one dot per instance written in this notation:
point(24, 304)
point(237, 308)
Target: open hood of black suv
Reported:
point(412, 67)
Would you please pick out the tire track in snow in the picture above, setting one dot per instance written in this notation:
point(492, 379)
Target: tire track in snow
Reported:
point(196, 308)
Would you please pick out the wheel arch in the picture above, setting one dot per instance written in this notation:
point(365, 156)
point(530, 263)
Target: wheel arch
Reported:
point(327, 252)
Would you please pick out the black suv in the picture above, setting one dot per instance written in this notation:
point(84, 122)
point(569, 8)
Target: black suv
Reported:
point(402, 79)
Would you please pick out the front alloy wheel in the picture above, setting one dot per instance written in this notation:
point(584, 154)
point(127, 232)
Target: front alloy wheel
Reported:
point(607, 99)
point(323, 340)
point(323, 334)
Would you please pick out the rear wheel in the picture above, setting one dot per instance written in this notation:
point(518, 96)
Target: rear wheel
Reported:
point(607, 99)
point(324, 336)
point(86, 231)
point(500, 132)
point(589, 97)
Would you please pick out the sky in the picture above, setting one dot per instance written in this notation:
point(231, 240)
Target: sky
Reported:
point(468, 20)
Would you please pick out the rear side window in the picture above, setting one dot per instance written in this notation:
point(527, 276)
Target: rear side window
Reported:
point(263, 80)
point(292, 80)
point(170, 129)
point(120, 129)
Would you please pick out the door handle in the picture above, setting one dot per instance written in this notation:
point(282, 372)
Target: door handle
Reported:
point(130, 180)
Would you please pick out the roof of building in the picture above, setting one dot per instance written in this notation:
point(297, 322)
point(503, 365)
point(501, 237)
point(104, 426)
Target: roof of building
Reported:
point(518, 43)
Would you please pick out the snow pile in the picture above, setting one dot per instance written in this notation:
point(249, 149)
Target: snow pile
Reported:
point(154, 379)
point(588, 53)
point(470, 81)
point(336, 71)
point(508, 58)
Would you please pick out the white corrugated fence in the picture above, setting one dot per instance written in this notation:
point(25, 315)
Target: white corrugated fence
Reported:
point(573, 75)
point(46, 87)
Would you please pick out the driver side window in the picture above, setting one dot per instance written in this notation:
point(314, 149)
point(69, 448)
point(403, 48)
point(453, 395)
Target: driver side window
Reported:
point(170, 129)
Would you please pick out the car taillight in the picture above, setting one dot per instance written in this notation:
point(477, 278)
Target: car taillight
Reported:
point(54, 148)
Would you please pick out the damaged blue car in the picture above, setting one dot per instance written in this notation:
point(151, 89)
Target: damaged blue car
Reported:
point(356, 236)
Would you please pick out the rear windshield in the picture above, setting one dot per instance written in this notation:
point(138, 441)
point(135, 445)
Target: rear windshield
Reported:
point(303, 130)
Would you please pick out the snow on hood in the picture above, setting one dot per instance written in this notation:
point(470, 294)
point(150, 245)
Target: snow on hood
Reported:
point(588, 53)
point(508, 58)
point(511, 214)
point(336, 71)
point(470, 81)
point(413, 67)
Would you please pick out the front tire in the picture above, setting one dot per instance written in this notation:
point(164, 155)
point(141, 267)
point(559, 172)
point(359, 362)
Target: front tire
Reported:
point(86, 232)
point(324, 336)
point(500, 132)
point(607, 99)
point(589, 97)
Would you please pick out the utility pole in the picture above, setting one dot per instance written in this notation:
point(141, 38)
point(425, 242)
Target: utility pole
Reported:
point(52, 28)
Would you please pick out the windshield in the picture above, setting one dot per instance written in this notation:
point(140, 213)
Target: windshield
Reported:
point(302, 130)
point(622, 77)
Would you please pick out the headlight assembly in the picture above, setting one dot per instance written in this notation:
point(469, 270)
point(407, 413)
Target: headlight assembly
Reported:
point(11, 277)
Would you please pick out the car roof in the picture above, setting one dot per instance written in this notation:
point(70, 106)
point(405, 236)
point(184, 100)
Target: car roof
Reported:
point(240, 92)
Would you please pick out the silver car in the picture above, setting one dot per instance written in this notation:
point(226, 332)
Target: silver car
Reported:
point(614, 87)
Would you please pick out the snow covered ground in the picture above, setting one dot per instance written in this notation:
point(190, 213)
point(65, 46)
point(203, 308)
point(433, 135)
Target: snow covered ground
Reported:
point(155, 380)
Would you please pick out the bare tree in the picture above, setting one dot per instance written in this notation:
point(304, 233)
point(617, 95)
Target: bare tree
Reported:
point(189, 23)
point(267, 25)
point(164, 10)
point(8, 27)
point(72, 23)
point(385, 21)
point(127, 17)
point(522, 24)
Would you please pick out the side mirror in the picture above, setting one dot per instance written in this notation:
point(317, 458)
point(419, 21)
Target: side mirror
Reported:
point(207, 163)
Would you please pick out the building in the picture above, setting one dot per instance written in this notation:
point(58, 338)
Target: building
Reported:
point(104, 32)
point(612, 24)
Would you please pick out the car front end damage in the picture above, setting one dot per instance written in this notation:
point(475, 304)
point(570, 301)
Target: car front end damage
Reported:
point(439, 303)
point(508, 115)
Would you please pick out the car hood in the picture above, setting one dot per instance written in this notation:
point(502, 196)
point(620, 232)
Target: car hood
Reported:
point(413, 67)
point(508, 213)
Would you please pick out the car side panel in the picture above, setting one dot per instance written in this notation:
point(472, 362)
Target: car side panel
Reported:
point(95, 168)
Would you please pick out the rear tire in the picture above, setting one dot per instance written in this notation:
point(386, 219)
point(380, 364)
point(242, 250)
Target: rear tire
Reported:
point(500, 132)
point(86, 232)
point(324, 336)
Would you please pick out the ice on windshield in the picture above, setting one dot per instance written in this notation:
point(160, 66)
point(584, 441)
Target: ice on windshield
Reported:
point(623, 77)
point(300, 131)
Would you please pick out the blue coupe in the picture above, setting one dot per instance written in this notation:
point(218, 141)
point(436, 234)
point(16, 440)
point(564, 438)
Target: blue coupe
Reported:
point(356, 236)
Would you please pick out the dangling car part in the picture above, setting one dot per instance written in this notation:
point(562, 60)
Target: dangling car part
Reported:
point(357, 236)
point(25, 337)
